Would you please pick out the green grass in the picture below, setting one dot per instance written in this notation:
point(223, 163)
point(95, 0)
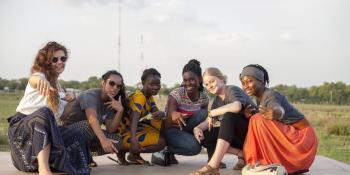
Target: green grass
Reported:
point(331, 122)
point(332, 125)
point(8, 104)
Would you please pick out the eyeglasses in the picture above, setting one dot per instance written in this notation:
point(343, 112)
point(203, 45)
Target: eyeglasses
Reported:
point(113, 83)
point(55, 59)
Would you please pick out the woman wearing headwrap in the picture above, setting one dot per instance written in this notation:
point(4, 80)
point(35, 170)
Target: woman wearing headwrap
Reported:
point(278, 133)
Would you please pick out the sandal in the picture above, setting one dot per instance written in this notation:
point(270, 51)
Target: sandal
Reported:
point(173, 159)
point(222, 165)
point(208, 171)
point(240, 164)
point(121, 160)
point(92, 163)
point(136, 159)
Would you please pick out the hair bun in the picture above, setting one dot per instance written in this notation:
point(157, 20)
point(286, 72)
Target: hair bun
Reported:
point(194, 61)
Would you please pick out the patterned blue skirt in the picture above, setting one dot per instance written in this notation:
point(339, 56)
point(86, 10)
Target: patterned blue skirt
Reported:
point(29, 134)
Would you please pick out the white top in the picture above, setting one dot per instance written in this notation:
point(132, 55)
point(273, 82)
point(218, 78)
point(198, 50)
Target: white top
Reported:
point(33, 100)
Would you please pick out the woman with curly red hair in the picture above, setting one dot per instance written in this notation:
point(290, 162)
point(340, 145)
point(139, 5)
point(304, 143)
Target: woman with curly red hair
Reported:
point(37, 143)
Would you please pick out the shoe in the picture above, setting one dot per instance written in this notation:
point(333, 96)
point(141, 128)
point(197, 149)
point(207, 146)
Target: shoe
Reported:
point(208, 171)
point(222, 165)
point(137, 159)
point(240, 164)
point(121, 159)
point(173, 159)
point(92, 163)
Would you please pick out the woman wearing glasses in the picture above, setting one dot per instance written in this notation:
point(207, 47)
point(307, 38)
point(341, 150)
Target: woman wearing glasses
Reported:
point(94, 107)
point(37, 143)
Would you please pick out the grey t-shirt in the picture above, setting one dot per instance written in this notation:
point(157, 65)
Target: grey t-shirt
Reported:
point(272, 98)
point(233, 94)
point(89, 99)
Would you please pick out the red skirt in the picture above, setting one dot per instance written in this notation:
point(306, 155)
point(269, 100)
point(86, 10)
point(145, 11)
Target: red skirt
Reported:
point(270, 141)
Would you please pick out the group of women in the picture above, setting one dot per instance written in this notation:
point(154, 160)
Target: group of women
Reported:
point(55, 131)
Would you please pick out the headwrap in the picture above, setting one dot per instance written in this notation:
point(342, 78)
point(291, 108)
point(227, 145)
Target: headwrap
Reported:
point(254, 72)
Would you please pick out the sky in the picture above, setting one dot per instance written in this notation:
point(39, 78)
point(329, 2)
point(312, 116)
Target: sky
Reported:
point(302, 43)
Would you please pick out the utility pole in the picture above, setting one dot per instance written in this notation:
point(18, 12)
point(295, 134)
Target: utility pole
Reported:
point(331, 97)
point(119, 33)
point(141, 54)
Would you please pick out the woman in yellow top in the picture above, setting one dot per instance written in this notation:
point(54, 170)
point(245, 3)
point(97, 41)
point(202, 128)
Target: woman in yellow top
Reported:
point(141, 135)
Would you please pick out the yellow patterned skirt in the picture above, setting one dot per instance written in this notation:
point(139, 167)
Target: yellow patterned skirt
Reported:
point(147, 132)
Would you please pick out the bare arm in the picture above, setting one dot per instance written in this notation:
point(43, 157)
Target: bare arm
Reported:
point(135, 147)
point(173, 116)
point(107, 144)
point(94, 123)
point(234, 107)
point(40, 83)
point(113, 124)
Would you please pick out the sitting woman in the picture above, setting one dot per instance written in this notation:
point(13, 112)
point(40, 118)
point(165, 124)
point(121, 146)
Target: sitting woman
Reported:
point(37, 143)
point(141, 135)
point(278, 133)
point(226, 126)
point(187, 107)
point(94, 107)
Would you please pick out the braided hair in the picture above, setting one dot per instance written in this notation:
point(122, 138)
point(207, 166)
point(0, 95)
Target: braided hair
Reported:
point(194, 66)
point(266, 75)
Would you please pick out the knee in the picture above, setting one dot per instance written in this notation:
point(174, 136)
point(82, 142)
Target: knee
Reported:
point(201, 115)
point(257, 119)
point(192, 147)
point(161, 142)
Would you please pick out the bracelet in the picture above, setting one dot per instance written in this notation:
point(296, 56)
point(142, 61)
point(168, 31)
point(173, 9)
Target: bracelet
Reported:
point(282, 114)
point(209, 114)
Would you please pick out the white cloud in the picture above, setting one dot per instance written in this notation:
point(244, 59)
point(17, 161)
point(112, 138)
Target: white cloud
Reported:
point(289, 38)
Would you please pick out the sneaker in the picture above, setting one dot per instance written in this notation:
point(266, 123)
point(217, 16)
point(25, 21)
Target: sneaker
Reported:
point(173, 159)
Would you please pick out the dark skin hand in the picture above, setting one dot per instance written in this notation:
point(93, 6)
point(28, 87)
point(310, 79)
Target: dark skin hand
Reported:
point(174, 117)
point(250, 110)
point(270, 113)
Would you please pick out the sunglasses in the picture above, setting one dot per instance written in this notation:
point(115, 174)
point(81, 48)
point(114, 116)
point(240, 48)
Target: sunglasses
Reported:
point(55, 59)
point(113, 83)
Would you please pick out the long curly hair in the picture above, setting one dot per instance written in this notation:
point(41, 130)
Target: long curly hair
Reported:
point(42, 63)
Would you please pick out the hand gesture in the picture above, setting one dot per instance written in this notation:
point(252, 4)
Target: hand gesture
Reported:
point(108, 145)
point(176, 117)
point(43, 86)
point(211, 121)
point(69, 97)
point(250, 110)
point(158, 115)
point(114, 104)
point(198, 134)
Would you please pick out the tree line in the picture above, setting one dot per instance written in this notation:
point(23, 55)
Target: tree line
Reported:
point(327, 93)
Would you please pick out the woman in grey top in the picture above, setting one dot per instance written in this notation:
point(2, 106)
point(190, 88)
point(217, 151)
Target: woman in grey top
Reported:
point(278, 133)
point(228, 107)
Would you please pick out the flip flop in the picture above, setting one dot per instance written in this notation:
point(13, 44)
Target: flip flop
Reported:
point(138, 161)
point(119, 161)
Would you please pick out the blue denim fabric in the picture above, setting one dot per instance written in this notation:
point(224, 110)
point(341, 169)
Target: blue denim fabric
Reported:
point(183, 142)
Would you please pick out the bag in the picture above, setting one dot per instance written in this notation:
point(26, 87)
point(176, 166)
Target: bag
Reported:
point(161, 158)
point(272, 169)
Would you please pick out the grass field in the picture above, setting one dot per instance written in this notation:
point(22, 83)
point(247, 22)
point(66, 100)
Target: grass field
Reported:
point(332, 125)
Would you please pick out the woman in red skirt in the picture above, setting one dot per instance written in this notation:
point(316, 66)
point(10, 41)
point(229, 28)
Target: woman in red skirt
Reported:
point(278, 132)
